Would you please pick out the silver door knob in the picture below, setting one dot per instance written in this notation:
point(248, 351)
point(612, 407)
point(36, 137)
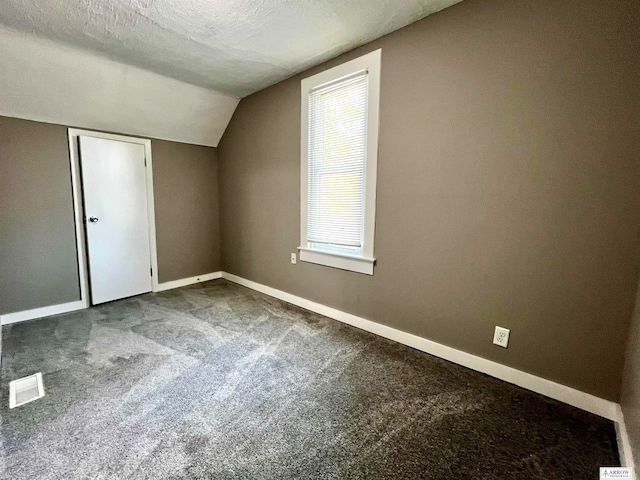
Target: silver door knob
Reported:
point(93, 219)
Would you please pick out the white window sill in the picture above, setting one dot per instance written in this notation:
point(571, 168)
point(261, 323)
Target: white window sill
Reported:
point(338, 260)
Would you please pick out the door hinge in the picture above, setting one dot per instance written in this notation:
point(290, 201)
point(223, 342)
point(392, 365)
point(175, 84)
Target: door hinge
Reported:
point(145, 161)
point(151, 271)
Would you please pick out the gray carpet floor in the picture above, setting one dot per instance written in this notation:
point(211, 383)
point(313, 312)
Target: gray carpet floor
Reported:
point(217, 381)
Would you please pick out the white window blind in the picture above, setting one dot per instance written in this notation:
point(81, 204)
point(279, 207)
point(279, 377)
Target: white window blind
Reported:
point(337, 161)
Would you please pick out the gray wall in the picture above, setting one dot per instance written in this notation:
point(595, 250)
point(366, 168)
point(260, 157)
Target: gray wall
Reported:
point(508, 186)
point(187, 222)
point(630, 400)
point(38, 265)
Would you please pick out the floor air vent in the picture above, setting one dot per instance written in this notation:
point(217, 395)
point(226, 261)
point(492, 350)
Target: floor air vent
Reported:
point(25, 390)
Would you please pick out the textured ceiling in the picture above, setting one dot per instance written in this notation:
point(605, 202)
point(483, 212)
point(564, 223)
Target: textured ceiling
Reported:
point(232, 46)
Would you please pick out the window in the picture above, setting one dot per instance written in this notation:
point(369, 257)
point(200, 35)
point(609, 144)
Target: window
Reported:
point(339, 140)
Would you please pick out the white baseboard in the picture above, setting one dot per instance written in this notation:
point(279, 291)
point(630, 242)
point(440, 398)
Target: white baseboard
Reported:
point(8, 318)
point(571, 396)
point(624, 445)
point(187, 281)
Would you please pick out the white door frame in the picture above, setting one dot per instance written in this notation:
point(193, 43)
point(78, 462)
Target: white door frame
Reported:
point(78, 210)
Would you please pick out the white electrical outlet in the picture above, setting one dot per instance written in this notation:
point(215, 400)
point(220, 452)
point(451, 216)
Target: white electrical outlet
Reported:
point(501, 337)
point(294, 259)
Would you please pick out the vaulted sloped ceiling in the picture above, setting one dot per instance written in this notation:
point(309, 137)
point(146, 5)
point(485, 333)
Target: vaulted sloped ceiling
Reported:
point(172, 69)
point(233, 46)
point(54, 83)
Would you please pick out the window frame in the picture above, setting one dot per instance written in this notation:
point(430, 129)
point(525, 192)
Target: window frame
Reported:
point(364, 262)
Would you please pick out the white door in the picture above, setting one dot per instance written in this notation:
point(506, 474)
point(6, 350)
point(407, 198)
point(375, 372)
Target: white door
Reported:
point(115, 207)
